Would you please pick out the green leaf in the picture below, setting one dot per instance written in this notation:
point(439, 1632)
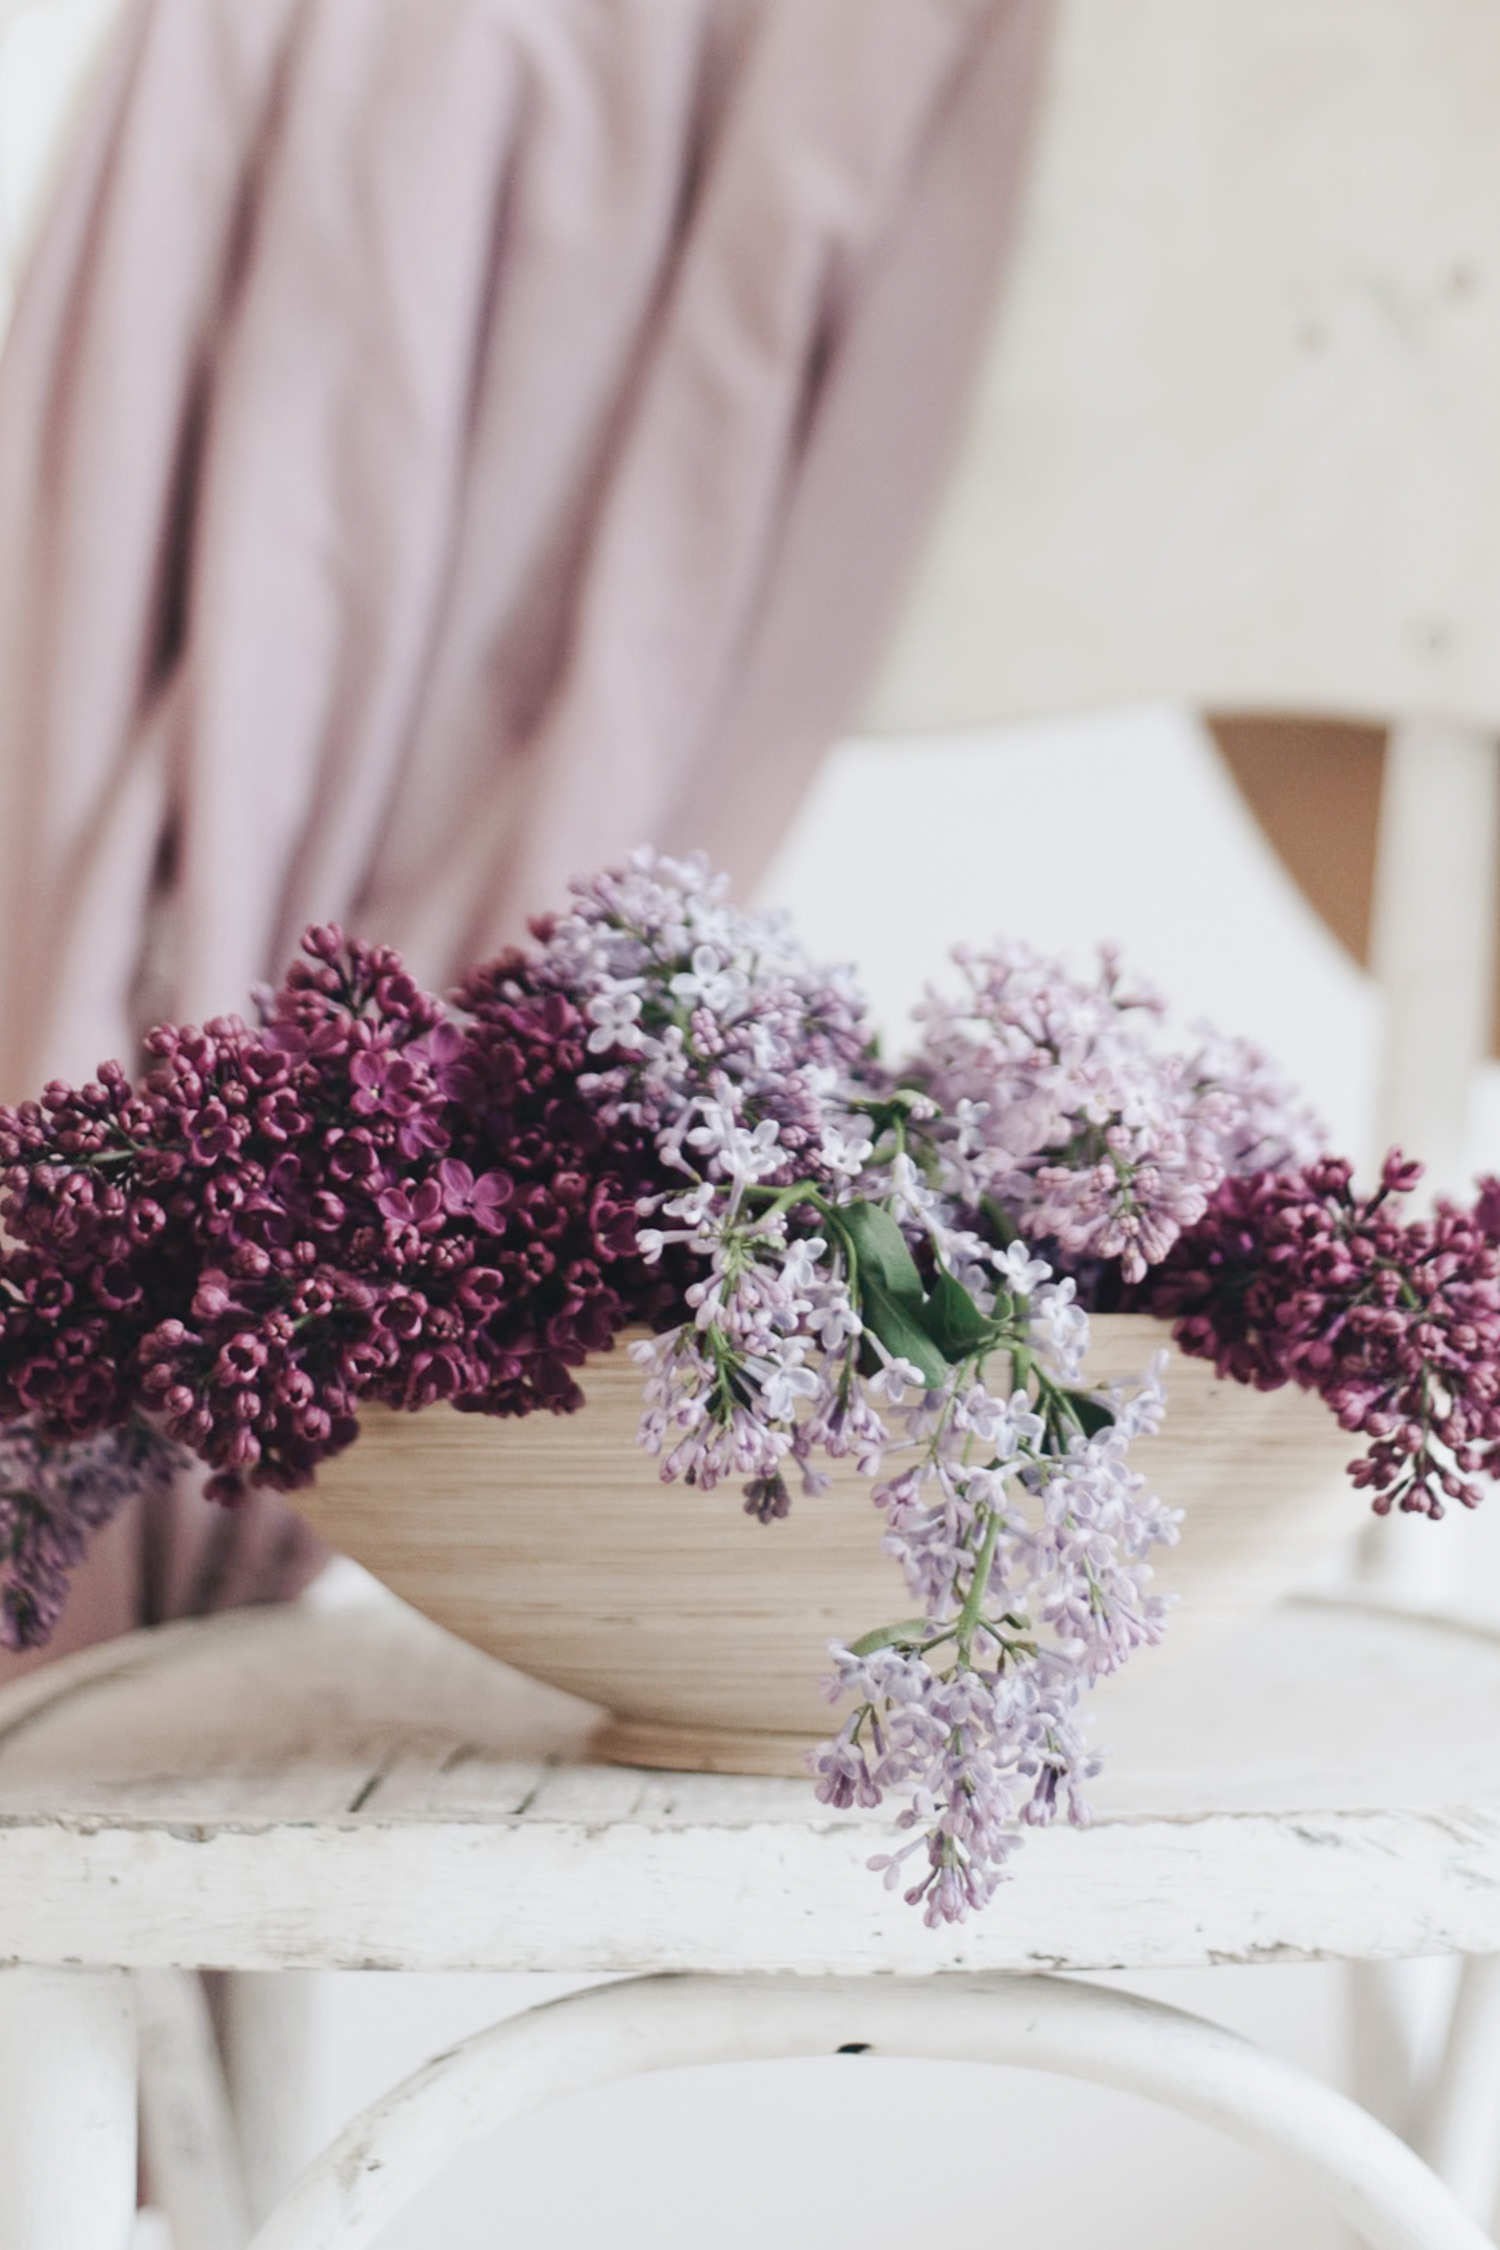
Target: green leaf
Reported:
point(885, 1110)
point(880, 1250)
point(1092, 1414)
point(954, 1322)
point(888, 1289)
point(899, 1328)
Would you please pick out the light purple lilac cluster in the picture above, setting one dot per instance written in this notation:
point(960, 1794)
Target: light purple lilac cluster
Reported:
point(843, 1309)
point(1072, 1118)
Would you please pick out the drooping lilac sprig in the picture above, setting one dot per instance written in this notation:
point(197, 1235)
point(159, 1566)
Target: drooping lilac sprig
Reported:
point(1025, 1538)
point(842, 1309)
point(53, 1498)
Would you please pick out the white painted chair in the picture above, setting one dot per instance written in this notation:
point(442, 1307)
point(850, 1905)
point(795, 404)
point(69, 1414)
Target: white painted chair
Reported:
point(1235, 445)
point(165, 1805)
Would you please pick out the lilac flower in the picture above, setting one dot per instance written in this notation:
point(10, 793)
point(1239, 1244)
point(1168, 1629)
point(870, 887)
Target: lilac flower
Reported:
point(1394, 1322)
point(842, 1305)
point(52, 1500)
point(1073, 1115)
point(485, 1198)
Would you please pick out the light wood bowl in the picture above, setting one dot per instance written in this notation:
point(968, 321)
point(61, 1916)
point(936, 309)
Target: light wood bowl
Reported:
point(553, 1543)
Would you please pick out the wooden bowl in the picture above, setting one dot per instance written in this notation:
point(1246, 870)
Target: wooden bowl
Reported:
point(553, 1543)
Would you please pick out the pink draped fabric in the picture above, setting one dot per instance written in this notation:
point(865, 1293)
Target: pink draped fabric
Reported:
point(443, 442)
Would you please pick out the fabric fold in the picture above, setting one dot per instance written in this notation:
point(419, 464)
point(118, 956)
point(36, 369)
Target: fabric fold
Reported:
point(444, 443)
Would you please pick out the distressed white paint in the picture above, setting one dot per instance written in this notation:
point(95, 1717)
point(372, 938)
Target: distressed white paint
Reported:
point(186, 2127)
point(1112, 2038)
point(67, 2110)
point(356, 1789)
point(570, 1895)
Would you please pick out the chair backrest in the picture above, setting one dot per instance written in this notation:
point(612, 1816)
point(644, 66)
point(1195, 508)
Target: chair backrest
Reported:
point(1237, 441)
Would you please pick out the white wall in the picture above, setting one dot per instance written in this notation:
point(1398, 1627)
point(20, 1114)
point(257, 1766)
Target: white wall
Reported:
point(1117, 825)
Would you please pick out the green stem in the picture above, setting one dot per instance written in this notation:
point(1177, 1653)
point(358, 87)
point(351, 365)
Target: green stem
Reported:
point(969, 1615)
point(912, 1632)
point(779, 1199)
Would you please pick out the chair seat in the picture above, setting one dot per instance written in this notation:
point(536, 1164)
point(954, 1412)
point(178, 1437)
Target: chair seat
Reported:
point(313, 1788)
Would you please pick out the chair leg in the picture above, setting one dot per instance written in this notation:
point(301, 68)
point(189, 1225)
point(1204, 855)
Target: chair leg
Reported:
point(1383, 2034)
point(1457, 2128)
point(660, 2023)
point(265, 2031)
point(186, 2127)
point(67, 2108)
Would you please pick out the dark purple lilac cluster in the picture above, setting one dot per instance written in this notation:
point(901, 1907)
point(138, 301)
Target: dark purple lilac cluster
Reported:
point(52, 1500)
point(365, 1197)
point(1393, 1321)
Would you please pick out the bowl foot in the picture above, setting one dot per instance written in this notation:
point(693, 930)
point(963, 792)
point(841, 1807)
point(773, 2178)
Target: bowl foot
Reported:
point(656, 1743)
